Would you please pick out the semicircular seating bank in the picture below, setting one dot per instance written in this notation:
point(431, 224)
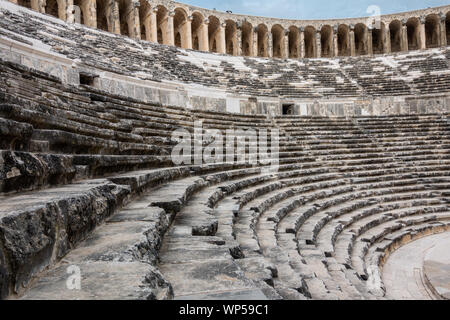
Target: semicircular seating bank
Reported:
point(90, 119)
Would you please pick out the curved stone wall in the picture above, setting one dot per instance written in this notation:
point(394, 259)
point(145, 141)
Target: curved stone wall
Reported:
point(189, 27)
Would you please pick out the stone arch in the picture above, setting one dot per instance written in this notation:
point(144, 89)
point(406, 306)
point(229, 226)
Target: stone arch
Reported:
point(231, 38)
point(432, 31)
point(277, 41)
point(247, 39)
point(361, 39)
point(196, 30)
point(144, 19)
point(162, 16)
point(343, 40)
point(378, 39)
point(213, 33)
point(395, 29)
point(262, 40)
point(326, 41)
point(103, 15)
point(310, 42)
point(413, 32)
point(294, 41)
point(180, 29)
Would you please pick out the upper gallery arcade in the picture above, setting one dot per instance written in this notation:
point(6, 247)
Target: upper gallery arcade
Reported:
point(189, 27)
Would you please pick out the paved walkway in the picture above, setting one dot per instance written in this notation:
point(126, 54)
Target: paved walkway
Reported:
point(403, 272)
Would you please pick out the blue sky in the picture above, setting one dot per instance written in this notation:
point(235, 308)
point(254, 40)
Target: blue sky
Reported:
point(315, 9)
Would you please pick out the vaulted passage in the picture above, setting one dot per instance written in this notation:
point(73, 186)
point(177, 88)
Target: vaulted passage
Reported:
point(432, 31)
point(395, 28)
point(277, 41)
point(263, 41)
point(213, 33)
point(343, 40)
point(310, 42)
point(378, 39)
point(447, 27)
point(145, 20)
point(412, 26)
point(180, 29)
point(326, 41)
point(197, 30)
point(294, 42)
point(126, 14)
point(231, 38)
point(161, 25)
point(103, 15)
point(247, 39)
point(51, 8)
point(361, 39)
point(24, 3)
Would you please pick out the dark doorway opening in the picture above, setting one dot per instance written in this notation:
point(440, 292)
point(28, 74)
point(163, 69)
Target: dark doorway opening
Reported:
point(288, 109)
point(87, 79)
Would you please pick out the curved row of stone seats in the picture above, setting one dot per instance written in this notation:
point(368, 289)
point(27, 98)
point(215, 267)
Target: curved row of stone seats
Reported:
point(281, 212)
point(226, 224)
point(437, 144)
point(229, 221)
point(213, 233)
point(75, 210)
point(133, 277)
point(24, 170)
point(88, 143)
point(392, 74)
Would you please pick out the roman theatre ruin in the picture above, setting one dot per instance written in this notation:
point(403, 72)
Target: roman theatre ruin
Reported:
point(115, 114)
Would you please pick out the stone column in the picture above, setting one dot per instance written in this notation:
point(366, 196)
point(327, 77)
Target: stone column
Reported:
point(69, 14)
point(221, 45)
point(170, 36)
point(422, 39)
point(238, 48)
point(134, 24)
point(90, 13)
point(302, 42)
point(387, 40)
point(369, 41)
point(335, 42)
point(318, 49)
point(285, 52)
point(38, 5)
point(153, 31)
point(62, 9)
point(254, 49)
point(204, 39)
point(114, 17)
point(404, 36)
point(443, 27)
point(269, 43)
point(352, 41)
point(188, 31)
